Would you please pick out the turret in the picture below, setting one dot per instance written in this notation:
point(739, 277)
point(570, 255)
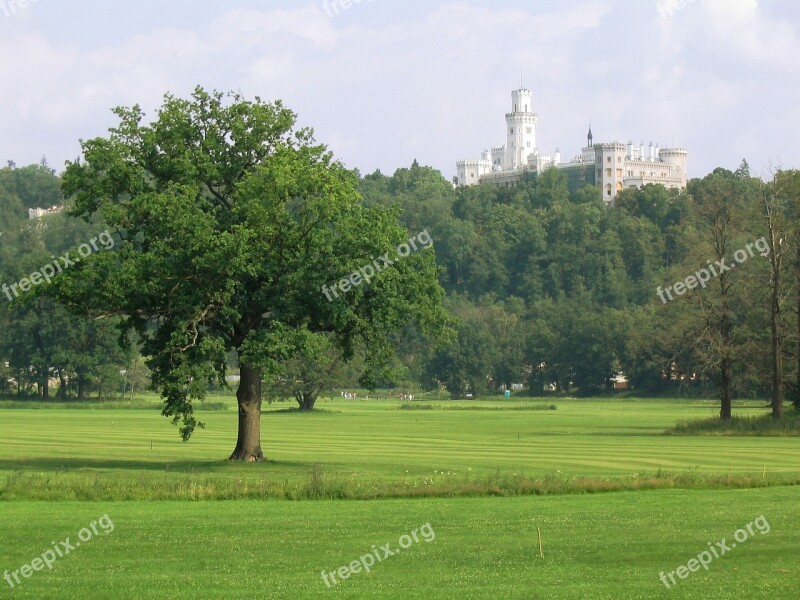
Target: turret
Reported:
point(677, 158)
point(520, 130)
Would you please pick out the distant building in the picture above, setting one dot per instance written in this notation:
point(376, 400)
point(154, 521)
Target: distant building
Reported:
point(620, 382)
point(38, 213)
point(611, 167)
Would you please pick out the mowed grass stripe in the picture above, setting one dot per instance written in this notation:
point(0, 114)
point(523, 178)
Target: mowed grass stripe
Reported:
point(373, 437)
point(597, 547)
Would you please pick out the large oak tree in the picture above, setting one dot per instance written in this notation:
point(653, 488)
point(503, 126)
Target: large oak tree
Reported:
point(229, 221)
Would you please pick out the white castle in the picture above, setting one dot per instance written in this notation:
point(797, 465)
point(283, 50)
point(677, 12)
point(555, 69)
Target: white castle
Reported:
point(611, 167)
point(38, 213)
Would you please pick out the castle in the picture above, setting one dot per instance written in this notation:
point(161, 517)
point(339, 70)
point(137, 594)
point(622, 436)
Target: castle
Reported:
point(38, 213)
point(611, 167)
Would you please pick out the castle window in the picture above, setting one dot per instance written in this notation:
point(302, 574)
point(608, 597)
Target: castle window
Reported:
point(608, 190)
point(608, 159)
point(512, 131)
point(530, 130)
point(619, 159)
point(619, 172)
point(608, 172)
point(529, 144)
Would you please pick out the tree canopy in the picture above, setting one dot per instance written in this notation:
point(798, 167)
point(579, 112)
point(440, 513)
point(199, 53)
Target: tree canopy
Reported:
point(229, 223)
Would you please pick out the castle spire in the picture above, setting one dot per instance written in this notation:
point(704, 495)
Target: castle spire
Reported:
point(590, 137)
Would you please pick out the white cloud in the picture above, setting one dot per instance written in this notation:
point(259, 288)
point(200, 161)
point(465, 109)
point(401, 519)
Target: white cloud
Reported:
point(740, 28)
point(433, 83)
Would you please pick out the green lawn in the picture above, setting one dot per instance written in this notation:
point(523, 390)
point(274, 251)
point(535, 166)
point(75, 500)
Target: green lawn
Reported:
point(609, 545)
point(372, 442)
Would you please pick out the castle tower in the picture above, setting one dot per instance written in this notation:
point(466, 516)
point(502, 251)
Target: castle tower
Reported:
point(521, 130)
point(469, 172)
point(498, 158)
point(610, 161)
point(677, 158)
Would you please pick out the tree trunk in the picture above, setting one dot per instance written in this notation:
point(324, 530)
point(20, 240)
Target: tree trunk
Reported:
point(777, 358)
point(796, 391)
point(725, 390)
point(773, 211)
point(307, 400)
point(62, 389)
point(795, 387)
point(248, 443)
point(46, 384)
point(726, 345)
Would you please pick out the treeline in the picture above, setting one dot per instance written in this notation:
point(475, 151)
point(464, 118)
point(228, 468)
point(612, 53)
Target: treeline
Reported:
point(550, 289)
point(40, 342)
point(559, 292)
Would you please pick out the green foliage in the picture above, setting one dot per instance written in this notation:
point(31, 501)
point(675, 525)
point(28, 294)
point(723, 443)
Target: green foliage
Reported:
point(321, 368)
point(549, 287)
point(586, 277)
point(40, 341)
point(36, 186)
point(763, 426)
point(229, 223)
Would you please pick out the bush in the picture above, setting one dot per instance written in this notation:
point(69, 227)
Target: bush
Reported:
point(744, 426)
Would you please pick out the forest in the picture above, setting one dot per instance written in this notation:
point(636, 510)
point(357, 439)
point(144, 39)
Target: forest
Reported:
point(551, 290)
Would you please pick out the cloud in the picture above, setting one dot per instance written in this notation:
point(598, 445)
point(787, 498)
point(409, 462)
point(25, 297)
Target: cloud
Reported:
point(742, 29)
point(386, 84)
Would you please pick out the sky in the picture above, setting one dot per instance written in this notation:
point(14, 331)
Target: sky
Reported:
point(385, 82)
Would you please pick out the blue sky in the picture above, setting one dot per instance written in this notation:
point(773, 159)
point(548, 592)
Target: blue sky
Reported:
point(385, 82)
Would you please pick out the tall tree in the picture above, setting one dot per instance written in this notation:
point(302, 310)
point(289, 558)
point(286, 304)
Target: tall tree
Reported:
point(786, 188)
point(712, 312)
point(231, 224)
point(779, 240)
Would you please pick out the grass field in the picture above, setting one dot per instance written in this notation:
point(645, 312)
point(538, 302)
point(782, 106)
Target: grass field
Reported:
point(449, 467)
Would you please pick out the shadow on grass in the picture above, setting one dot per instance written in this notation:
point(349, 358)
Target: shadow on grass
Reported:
point(81, 464)
point(297, 411)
